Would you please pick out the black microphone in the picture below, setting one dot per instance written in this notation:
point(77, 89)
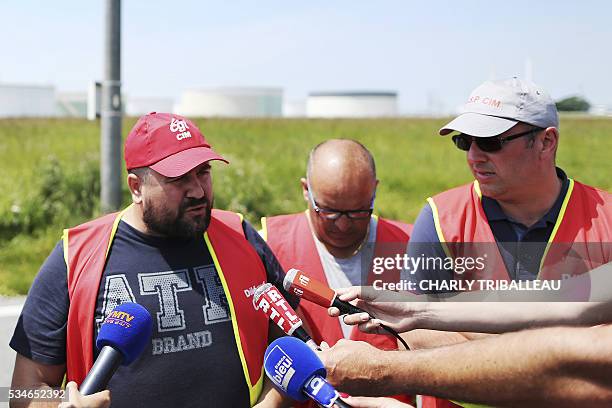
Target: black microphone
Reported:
point(122, 338)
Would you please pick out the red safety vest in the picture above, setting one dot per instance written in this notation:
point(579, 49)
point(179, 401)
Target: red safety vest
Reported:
point(583, 229)
point(292, 242)
point(580, 240)
point(85, 250)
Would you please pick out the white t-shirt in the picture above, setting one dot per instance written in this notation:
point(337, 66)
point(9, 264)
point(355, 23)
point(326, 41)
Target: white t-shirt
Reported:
point(345, 272)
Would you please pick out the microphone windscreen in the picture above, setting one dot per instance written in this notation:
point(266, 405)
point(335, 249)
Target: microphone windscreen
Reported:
point(290, 363)
point(289, 277)
point(259, 291)
point(127, 328)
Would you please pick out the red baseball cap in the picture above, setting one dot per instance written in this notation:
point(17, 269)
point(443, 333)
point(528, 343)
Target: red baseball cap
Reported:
point(169, 144)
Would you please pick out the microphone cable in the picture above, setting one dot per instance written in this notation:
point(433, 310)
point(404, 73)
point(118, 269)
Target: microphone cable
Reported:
point(394, 334)
point(386, 328)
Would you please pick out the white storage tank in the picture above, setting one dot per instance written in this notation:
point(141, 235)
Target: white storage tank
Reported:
point(294, 109)
point(27, 101)
point(142, 106)
point(351, 104)
point(231, 102)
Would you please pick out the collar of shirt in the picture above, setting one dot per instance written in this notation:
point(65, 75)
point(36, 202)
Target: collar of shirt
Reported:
point(494, 211)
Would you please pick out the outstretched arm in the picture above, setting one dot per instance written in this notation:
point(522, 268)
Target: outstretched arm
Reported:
point(545, 367)
point(504, 311)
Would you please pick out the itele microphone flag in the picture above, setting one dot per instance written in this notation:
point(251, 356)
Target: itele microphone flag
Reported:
point(269, 300)
point(299, 373)
point(123, 336)
point(300, 284)
point(303, 286)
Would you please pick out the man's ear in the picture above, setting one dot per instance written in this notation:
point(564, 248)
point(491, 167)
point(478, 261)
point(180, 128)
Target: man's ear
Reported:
point(550, 142)
point(304, 189)
point(135, 185)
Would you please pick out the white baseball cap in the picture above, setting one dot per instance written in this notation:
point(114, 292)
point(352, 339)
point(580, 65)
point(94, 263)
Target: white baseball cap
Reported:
point(496, 106)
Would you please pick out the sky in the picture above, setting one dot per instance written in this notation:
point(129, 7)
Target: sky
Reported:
point(432, 53)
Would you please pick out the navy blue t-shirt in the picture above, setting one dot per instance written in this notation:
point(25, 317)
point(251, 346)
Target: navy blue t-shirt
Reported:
point(192, 359)
point(521, 247)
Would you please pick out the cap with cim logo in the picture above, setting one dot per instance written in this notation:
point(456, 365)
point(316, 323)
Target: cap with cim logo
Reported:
point(496, 106)
point(170, 144)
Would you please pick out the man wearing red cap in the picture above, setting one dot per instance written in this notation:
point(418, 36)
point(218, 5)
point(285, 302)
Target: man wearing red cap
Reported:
point(193, 268)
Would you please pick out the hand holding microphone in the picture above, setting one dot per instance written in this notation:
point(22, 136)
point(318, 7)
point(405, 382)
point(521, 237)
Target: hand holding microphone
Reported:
point(122, 338)
point(299, 373)
point(75, 399)
point(399, 311)
point(303, 286)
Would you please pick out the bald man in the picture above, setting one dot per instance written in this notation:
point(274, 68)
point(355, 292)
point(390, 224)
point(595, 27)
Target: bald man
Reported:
point(336, 238)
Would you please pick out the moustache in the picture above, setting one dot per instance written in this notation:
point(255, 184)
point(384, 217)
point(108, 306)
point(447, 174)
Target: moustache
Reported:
point(194, 202)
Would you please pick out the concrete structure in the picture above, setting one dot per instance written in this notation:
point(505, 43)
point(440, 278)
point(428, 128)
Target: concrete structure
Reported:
point(351, 104)
point(231, 102)
point(72, 104)
point(142, 106)
point(27, 101)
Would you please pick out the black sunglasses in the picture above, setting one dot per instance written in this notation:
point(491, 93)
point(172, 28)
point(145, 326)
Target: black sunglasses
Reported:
point(488, 144)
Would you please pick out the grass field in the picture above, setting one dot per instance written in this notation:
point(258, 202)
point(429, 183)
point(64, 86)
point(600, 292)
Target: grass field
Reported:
point(50, 175)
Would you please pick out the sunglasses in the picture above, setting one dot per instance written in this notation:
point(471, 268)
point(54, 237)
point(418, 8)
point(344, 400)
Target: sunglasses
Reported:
point(488, 144)
point(333, 214)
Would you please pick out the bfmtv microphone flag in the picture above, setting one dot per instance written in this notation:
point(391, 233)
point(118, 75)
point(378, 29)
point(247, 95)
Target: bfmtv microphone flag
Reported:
point(121, 339)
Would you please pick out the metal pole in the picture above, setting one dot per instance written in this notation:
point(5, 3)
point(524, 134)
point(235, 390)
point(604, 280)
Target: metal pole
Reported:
point(110, 138)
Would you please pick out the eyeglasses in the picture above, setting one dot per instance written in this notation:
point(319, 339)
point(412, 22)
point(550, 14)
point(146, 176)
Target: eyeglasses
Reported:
point(332, 214)
point(488, 144)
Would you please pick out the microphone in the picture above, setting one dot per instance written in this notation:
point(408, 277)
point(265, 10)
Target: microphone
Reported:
point(303, 286)
point(269, 300)
point(299, 373)
point(122, 338)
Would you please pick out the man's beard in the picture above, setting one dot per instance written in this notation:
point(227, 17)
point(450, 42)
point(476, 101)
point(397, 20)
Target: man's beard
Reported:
point(161, 220)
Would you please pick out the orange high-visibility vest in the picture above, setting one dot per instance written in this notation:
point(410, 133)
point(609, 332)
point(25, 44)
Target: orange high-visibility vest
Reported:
point(579, 242)
point(292, 242)
point(86, 249)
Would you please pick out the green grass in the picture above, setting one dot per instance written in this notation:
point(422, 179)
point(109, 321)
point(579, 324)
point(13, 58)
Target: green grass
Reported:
point(49, 172)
